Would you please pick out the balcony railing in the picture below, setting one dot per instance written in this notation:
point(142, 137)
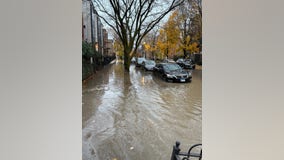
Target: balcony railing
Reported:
point(178, 155)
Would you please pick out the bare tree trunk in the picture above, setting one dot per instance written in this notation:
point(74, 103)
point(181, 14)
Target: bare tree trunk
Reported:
point(184, 53)
point(127, 58)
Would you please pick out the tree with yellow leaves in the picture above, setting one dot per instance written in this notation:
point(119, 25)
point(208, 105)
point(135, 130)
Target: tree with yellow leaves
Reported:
point(118, 47)
point(182, 33)
point(162, 44)
point(190, 25)
point(149, 42)
point(168, 39)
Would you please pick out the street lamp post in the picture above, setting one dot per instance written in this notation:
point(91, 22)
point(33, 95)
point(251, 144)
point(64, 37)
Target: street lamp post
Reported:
point(144, 52)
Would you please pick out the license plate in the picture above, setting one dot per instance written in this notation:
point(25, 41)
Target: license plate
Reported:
point(182, 80)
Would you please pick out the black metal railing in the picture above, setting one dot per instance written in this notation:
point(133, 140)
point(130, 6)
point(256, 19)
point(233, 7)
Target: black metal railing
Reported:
point(177, 154)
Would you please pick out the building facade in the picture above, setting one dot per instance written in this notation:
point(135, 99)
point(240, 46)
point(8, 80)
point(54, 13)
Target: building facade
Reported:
point(92, 27)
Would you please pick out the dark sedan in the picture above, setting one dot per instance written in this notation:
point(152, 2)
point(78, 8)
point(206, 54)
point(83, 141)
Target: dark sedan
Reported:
point(172, 72)
point(186, 63)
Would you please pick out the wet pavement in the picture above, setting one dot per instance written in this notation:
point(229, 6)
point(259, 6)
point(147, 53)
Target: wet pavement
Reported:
point(138, 116)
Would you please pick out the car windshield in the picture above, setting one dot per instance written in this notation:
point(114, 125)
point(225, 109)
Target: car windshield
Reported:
point(150, 62)
point(180, 60)
point(188, 61)
point(172, 67)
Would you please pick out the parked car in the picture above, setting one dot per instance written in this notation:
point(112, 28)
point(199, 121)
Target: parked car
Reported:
point(172, 72)
point(140, 61)
point(149, 65)
point(168, 61)
point(189, 64)
point(186, 63)
point(180, 62)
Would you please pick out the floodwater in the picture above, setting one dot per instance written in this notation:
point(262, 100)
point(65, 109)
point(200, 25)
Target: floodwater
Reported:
point(137, 116)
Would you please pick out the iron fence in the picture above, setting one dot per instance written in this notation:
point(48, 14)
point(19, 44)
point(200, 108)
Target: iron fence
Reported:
point(178, 155)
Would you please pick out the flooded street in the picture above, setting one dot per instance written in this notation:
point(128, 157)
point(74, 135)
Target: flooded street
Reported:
point(137, 116)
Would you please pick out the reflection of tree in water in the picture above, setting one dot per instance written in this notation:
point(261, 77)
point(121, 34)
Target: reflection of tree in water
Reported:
point(127, 82)
point(118, 73)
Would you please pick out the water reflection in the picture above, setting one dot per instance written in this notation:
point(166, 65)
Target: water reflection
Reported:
point(138, 116)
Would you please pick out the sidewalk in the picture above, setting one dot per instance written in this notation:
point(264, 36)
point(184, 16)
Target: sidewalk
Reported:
point(84, 82)
point(198, 67)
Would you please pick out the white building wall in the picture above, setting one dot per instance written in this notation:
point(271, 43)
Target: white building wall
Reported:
point(86, 20)
point(96, 27)
point(100, 36)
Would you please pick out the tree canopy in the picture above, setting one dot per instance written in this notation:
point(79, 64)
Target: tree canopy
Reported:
point(133, 19)
point(182, 33)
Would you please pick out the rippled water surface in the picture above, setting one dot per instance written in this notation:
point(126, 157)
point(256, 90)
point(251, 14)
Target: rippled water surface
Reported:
point(137, 116)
